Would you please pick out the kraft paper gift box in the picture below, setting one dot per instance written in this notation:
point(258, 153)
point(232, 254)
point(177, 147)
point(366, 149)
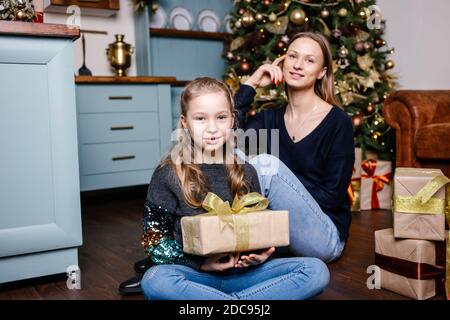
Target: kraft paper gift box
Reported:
point(376, 191)
point(247, 225)
point(410, 267)
point(419, 203)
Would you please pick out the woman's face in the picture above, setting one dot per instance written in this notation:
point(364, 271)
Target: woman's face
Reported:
point(209, 121)
point(303, 64)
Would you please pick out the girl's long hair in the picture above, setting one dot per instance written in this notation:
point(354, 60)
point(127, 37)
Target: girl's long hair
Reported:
point(324, 87)
point(194, 183)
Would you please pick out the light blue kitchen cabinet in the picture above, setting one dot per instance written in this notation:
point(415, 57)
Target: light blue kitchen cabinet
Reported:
point(124, 129)
point(40, 215)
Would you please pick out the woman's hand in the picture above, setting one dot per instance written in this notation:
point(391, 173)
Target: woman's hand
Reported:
point(220, 262)
point(254, 259)
point(267, 74)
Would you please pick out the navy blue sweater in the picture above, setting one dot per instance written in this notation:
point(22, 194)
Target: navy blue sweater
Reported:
point(323, 160)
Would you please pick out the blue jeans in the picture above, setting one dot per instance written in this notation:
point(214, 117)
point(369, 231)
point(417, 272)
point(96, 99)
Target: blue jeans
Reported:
point(312, 232)
point(277, 279)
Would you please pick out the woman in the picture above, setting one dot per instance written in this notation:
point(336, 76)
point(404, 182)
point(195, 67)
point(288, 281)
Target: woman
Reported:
point(310, 175)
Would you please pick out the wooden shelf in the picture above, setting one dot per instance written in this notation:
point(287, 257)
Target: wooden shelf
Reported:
point(38, 29)
point(173, 33)
point(113, 79)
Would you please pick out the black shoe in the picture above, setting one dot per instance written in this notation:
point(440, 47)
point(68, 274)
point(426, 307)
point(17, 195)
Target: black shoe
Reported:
point(142, 265)
point(131, 286)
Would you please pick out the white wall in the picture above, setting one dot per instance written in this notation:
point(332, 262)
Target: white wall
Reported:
point(96, 44)
point(419, 31)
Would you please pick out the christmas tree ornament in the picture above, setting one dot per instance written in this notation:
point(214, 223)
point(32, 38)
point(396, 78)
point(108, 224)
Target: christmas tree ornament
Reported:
point(369, 109)
point(364, 13)
point(357, 120)
point(359, 47)
point(272, 17)
point(325, 13)
point(343, 52)
point(336, 33)
point(279, 26)
point(230, 56)
point(280, 47)
point(266, 3)
point(367, 46)
point(247, 20)
point(259, 17)
point(238, 23)
point(244, 67)
point(342, 12)
point(390, 64)
point(298, 16)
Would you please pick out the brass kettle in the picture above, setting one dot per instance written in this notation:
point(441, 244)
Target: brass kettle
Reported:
point(119, 55)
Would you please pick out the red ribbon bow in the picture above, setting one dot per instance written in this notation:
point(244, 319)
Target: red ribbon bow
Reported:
point(370, 166)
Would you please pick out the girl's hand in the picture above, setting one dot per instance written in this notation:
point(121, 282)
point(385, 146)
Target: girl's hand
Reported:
point(267, 74)
point(220, 262)
point(254, 259)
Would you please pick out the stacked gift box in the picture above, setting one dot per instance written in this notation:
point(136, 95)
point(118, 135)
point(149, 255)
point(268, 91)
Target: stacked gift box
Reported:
point(414, 255)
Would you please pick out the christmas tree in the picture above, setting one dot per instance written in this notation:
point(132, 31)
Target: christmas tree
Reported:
point(354, 28)
point(20, 10)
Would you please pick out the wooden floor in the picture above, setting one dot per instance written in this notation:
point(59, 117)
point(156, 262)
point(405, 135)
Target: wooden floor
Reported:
point(111, 232)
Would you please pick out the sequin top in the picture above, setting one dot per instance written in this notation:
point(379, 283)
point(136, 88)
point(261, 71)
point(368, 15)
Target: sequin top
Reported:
point(165, 205)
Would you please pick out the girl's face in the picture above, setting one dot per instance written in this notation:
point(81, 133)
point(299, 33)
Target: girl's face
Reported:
point(209, 121)
point(303, 64)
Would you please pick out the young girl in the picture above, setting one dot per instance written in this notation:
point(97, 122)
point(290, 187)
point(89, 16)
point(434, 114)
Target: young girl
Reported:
point(202, 161)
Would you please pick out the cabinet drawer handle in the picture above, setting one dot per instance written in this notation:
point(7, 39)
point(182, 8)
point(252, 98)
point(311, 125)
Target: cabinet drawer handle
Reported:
point(122, 128)
point(123, 158)
point(120, 98)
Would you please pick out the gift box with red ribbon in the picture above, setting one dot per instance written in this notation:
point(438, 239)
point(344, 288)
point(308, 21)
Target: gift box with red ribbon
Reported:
point(411, 267)
point(354, 188)
point(376, 178)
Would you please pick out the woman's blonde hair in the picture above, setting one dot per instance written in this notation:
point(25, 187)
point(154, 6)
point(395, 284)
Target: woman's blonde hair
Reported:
point(324, 87)
point(194, 184)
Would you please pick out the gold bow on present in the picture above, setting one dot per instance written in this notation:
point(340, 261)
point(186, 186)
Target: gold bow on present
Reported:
point(233, 216)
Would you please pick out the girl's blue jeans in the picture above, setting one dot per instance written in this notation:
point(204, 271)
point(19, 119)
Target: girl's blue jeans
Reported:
point(277, 279)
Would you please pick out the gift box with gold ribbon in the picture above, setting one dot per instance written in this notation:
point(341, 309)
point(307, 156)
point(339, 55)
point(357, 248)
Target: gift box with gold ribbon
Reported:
point(354, 188)
point(419, 203)
point(246, 225)
point(410, 267)
point(376, 178)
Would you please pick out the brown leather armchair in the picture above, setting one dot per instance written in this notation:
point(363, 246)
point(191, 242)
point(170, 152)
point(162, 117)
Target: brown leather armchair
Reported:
point(421, 119)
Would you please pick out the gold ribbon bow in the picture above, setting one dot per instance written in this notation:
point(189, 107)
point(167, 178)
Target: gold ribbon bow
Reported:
point(233, 216)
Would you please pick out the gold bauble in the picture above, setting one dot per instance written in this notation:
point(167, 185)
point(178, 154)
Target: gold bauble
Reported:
point(21, 15)
point(272, 17)
point(342, 12)
point(298, 16)
point(390, 64)
point(248, 20)
point(343, 52)
point(325, 13)
point(364, 13)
